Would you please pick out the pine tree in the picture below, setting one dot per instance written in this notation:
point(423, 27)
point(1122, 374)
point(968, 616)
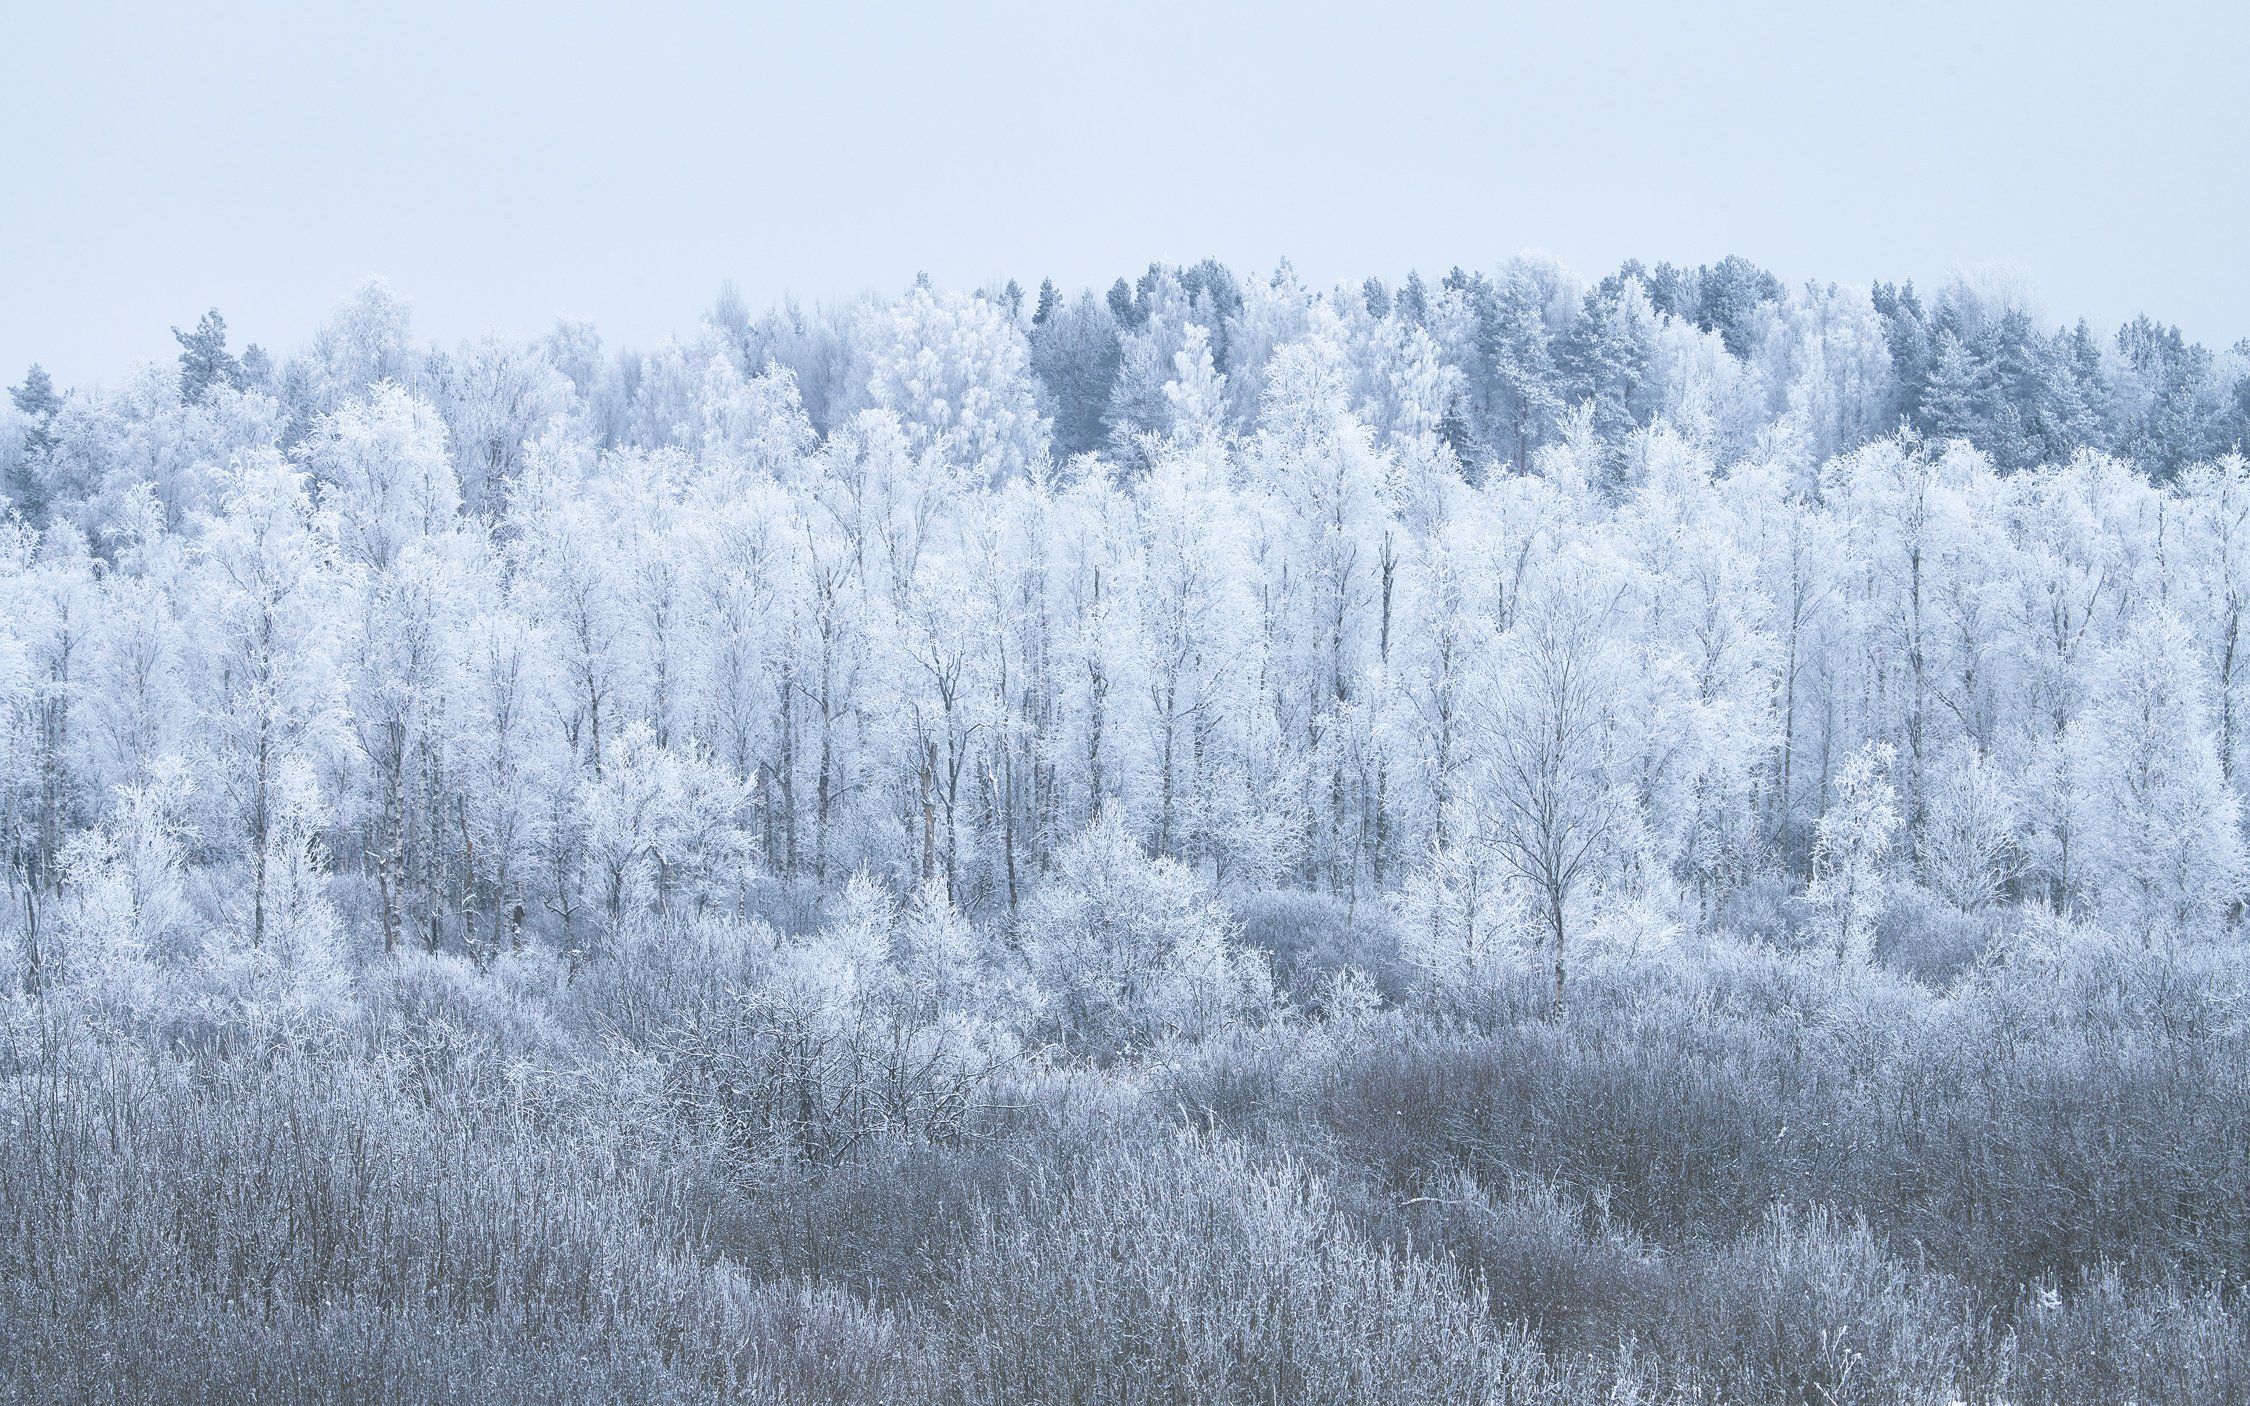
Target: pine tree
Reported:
point(2181, 421)
point(1076, 355)
point(1413, 300)
point(25, 485)
point(1907, 330)
point(1523, 370)
point(1607, 356)
point(1122, 305)
point(257, 367)
point(1673, 291)
point(204, 358)
point(37, 400)
point(1216, 298)
point(1728, 298)
point(1953, 399)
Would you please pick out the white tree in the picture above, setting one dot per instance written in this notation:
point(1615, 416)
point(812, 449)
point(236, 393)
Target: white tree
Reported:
point(1463, 924)
point(499, 396)
point(124, 899)
point(1546, 790)
point(1852, 856)
point(368, 340)
point(269, 681)
point(957, 373)
point(386, 477)
point(1967, 848)
point(2163, 830)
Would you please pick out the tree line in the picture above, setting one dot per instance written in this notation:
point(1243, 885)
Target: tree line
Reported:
point(1529, 612)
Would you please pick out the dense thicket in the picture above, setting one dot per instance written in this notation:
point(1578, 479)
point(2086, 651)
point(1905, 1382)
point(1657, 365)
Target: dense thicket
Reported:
point(1679, 839)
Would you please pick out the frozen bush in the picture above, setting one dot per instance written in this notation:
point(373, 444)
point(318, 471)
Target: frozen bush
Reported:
point(1127, 950)
point(1310, 937)
point(1187, 1272)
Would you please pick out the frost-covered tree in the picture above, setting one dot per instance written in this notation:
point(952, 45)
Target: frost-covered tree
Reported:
point(2162, 827)
point(385, 475)
point(1549, 803)
point(498, 397)
point(1967, 848)
point(267, 689)
point(957, 373)
point(368, 340)
point(204, 359)
point(1852, 856)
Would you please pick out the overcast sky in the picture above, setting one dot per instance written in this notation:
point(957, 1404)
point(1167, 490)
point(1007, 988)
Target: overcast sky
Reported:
point(503, 164)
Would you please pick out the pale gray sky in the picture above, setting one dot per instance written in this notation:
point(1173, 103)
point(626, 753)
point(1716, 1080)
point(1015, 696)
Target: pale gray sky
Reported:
point(505, 163)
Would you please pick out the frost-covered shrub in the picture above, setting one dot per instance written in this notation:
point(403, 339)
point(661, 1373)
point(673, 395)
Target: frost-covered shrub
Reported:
point(835, 1041)
point(1667, 1123)
point(1928, 938)
point(2111, 1338)
point(1187, 1272)
point(1126, 950)
point(1811, 1311)
point(883, 1222)
point(449, 1028)
point(1540, 1260)
point(1761, 907)
point(1311, 937)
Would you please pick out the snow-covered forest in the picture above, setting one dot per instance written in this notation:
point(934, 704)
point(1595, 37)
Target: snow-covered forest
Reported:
point(1508, 838)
